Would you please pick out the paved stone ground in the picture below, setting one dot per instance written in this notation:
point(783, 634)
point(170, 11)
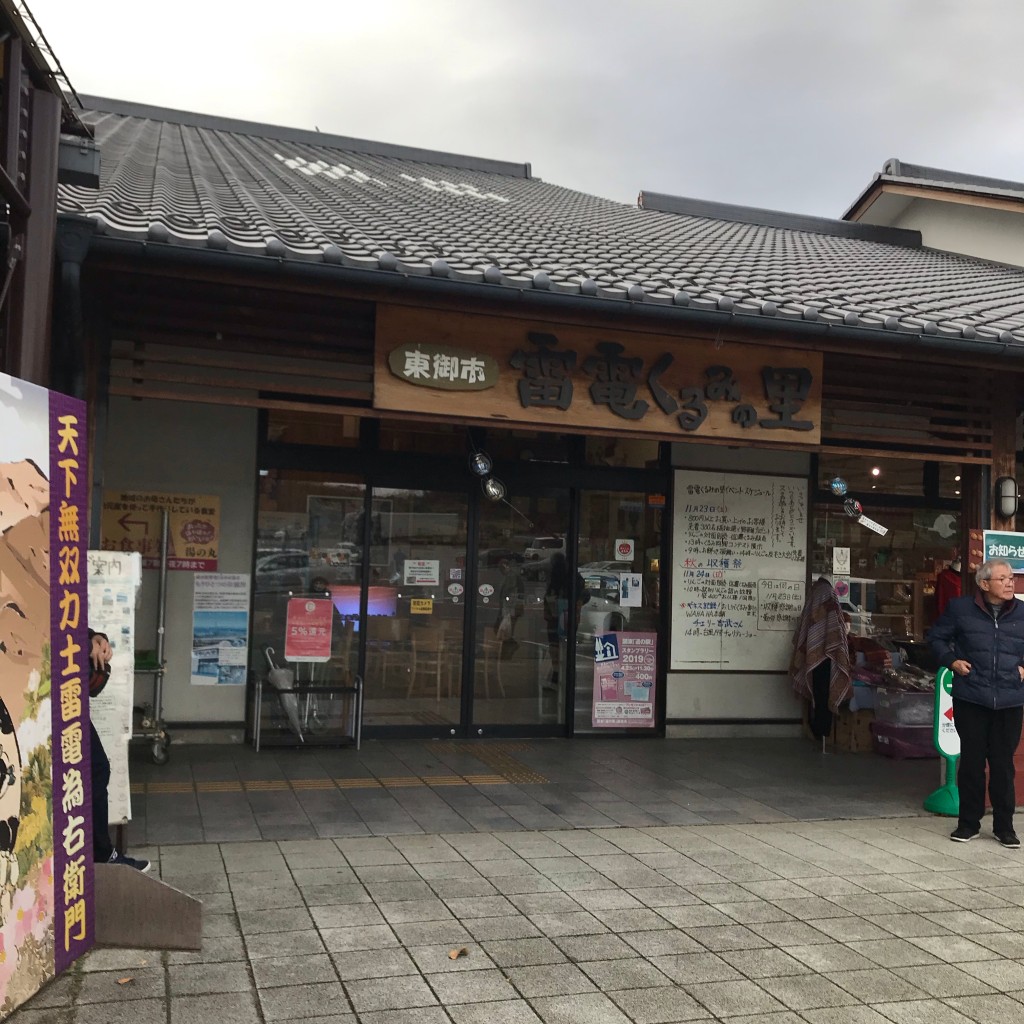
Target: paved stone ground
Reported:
point(231, 793)
point(782, 922)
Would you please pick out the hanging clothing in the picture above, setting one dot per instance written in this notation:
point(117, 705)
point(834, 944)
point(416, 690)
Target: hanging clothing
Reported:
point(947, 586)
point(821, 636)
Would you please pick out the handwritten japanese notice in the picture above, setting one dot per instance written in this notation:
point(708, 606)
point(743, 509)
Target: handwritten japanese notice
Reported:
point(738, 582)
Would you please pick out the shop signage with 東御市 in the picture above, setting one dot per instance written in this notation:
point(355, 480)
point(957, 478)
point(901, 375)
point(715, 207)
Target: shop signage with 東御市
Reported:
point(548, 374)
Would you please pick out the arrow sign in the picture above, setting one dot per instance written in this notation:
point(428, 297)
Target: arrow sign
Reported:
point(124, 522)
point(948, 713)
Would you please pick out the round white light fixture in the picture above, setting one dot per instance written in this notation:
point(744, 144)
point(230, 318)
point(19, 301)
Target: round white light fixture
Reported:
point(494, 490)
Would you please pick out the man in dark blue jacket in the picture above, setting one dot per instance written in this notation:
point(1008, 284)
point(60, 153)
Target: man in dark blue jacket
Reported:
point(981, 640)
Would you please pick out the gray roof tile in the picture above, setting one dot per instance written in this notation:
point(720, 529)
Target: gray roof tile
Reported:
point(191, 180)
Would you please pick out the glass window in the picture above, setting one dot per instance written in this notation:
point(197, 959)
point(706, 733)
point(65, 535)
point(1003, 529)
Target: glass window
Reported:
point(892, 579)
point(864, 474)
point(428, 438)
point(636, 453)
point(305, 621)
point(289, 426)
point(527, 446)
point(950, 477)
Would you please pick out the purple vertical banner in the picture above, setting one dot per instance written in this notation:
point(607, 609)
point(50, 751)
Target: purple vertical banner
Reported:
point(73, 916)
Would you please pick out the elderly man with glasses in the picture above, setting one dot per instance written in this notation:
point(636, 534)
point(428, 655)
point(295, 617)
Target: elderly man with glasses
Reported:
point(981, 640)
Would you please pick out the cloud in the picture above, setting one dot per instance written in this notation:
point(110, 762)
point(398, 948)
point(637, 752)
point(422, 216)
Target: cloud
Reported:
point(24, 423)
point(792, 104)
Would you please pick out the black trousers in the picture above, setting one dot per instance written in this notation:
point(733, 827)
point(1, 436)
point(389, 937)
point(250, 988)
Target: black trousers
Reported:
point(986, 735)
point(102, 847)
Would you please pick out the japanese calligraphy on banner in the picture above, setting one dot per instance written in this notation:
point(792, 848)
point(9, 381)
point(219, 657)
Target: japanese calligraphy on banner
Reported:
point(220, 629)
point(131, 521)
point(46, 912)
point(739, 572)
point(554, 374)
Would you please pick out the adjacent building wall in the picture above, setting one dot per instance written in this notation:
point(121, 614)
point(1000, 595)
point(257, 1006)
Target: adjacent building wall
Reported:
point(969, 229)
point(740, 703)
point(183, 447)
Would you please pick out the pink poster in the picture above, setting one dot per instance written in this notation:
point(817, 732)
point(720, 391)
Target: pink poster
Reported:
point(625, 669)
point(308, 629)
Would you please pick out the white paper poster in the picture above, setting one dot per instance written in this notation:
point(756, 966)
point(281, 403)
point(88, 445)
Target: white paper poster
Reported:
point(631, 590)
point(423, 572)
point(114, 580)
point(220, 629)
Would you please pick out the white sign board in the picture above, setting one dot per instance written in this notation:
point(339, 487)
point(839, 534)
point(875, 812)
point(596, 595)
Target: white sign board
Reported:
point(114, 579)
point(421, 572)
point(840, 561)
point(739, 572)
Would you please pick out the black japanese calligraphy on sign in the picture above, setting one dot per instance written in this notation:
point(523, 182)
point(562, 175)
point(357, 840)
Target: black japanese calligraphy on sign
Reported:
point(547, 374)
point(786, 388)
point(615, 381)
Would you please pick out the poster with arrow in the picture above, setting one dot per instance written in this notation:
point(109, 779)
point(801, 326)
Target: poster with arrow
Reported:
point(131, 522)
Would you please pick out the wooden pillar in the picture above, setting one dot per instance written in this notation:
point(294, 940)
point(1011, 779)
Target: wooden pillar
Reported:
point(1004, 443)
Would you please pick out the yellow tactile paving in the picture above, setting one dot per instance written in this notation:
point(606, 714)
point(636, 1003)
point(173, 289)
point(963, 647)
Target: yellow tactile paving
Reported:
point(504, 769)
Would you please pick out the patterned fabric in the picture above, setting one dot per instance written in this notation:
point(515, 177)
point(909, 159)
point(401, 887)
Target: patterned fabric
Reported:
point(821, 635)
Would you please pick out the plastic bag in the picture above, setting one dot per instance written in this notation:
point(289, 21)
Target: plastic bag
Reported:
point(284, 679)
point(504, 630)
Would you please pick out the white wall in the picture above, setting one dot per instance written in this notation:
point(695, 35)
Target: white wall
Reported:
point(204, 449)
point(972, 230)
point(733, 695)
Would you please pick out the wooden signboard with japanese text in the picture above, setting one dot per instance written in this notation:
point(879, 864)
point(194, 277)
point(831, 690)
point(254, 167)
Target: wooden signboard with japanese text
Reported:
point(565, 376)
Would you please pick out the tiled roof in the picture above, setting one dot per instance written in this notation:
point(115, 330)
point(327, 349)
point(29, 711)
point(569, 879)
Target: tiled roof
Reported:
point(898, 172)
point(190, 180)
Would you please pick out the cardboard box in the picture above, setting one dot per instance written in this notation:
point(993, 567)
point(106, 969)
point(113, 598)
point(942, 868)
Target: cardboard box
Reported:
point(851, 730)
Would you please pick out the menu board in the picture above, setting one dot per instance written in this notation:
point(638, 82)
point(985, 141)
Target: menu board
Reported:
point(739, 570)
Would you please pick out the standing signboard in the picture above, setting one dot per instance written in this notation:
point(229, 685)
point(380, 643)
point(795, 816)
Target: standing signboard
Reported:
point(946, 799)
point(625, 674)
point(114, 581)
point(46, 879)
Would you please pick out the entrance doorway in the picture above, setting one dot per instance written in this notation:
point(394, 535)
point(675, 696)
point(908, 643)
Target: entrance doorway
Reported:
point(619, 542)
point(519, 674)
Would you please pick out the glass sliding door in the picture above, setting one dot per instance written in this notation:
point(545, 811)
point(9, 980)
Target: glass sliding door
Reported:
point(519, 647)
point(619, 559)
point(415, 609)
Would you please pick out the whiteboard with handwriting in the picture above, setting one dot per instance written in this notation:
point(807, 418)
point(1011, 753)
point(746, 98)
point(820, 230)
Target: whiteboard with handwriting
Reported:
point(739, 570)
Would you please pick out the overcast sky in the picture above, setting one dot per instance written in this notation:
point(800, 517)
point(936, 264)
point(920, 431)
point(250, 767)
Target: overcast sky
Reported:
point(786, 104)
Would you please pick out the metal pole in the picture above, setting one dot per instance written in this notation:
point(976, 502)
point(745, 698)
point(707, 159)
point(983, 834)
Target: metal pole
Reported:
point(161, 617)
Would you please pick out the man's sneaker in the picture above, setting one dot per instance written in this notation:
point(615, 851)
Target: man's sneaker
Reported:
point(130, 862)
point(963, 834)
point(1008, 839)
